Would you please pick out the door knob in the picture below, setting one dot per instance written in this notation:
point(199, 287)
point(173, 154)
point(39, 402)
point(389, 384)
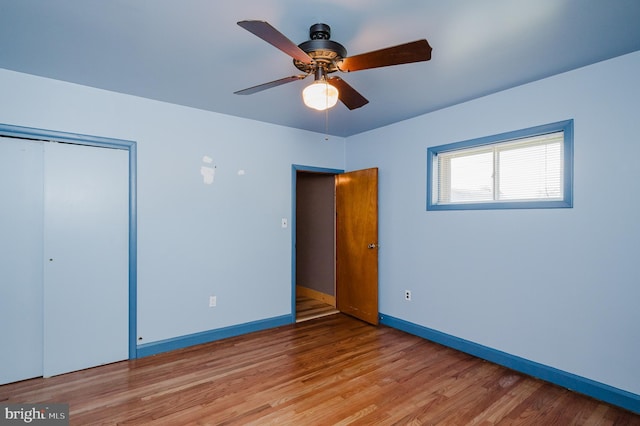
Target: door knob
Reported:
point(372, 246)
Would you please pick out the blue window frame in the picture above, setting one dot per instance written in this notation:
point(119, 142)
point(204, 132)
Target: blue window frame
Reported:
point(524, 169)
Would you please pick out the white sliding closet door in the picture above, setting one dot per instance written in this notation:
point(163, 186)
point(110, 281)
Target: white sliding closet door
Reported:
point(21, 216)
point(86, 264)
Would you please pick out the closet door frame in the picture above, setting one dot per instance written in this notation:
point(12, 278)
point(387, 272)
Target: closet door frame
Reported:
point(130, 146)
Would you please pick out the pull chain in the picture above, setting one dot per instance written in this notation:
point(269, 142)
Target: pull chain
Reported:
point(326, 124)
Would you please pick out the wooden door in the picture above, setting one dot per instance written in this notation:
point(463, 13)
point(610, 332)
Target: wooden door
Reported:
point(357, 244)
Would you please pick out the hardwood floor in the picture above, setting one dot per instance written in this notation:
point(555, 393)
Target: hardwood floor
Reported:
point(308, 308)
point(333, 370)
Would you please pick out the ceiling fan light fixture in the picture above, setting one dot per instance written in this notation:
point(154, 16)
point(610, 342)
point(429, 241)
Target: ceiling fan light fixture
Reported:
point(320, 95)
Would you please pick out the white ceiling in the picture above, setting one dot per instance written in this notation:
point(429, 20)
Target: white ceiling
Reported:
point(191, 52)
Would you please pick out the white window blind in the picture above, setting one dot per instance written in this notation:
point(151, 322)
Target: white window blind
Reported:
point(524, 169)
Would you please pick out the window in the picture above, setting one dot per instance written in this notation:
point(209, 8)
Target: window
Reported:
point(530, 168)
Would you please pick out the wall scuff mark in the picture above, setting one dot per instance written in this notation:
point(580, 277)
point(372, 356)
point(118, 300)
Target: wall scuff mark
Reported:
point(208, 172)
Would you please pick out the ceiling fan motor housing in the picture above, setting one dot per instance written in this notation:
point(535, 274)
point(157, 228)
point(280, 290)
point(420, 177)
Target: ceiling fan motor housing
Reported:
point(326, 53)
point(320, 32)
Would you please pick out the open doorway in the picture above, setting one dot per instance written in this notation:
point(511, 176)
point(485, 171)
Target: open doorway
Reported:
point(315, 267)
point(335, 243)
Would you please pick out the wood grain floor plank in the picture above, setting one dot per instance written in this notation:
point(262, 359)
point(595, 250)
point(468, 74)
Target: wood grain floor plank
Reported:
point(333, 370)
point(308, 308)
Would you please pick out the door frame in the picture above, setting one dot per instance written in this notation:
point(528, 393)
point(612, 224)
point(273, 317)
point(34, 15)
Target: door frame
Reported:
point(295, 168)
point(102, 142)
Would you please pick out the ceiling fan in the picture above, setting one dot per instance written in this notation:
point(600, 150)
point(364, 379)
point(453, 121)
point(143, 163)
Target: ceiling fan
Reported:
point(321, 56)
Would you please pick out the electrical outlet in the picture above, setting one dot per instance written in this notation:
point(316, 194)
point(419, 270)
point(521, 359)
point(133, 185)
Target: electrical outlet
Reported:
point(407, 295)
point(212, 301)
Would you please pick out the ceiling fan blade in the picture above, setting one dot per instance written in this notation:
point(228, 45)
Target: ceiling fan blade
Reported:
point(272, 36)
point(349, 96)
point(269, 85)
point(415, 51)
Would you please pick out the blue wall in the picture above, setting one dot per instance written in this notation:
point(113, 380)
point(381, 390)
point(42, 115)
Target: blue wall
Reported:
point(558, 287)
point(194, 239)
